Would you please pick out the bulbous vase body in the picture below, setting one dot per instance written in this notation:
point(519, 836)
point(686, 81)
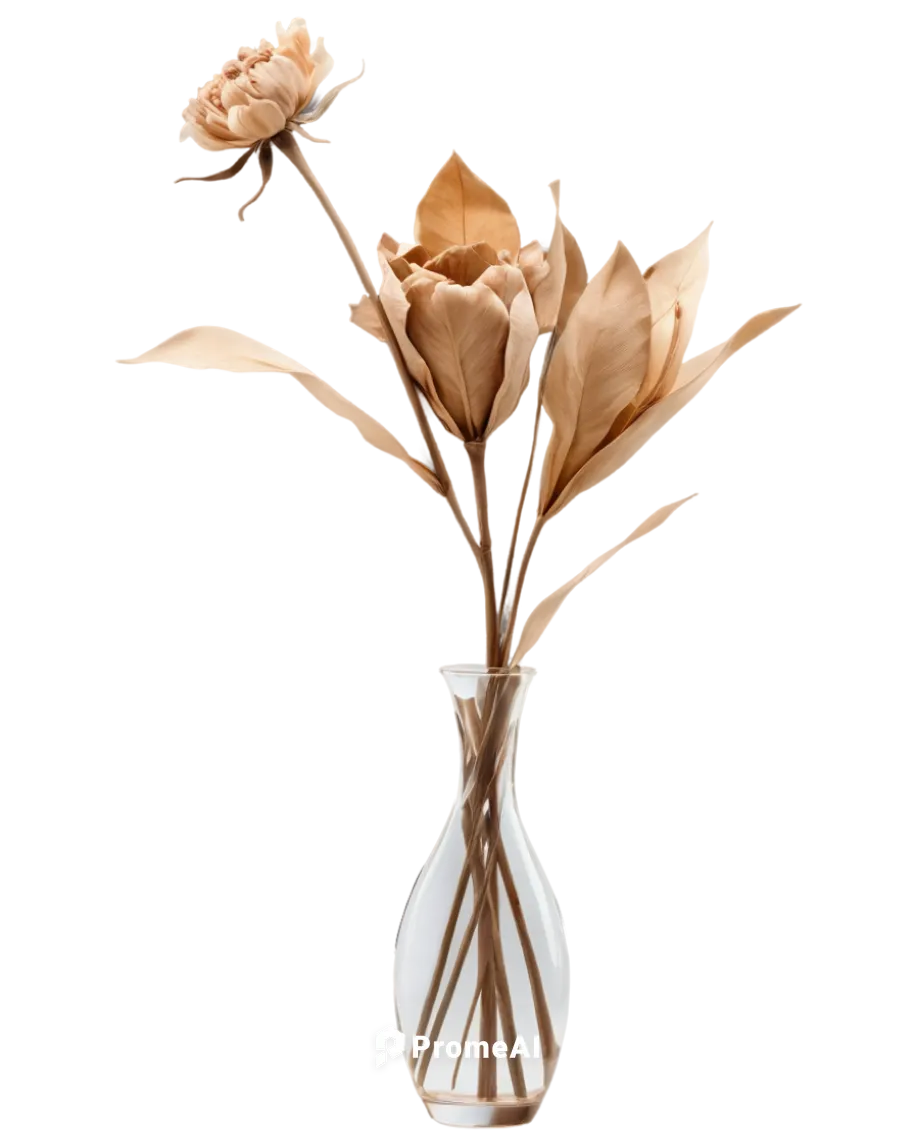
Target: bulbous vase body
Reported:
point(481, 968)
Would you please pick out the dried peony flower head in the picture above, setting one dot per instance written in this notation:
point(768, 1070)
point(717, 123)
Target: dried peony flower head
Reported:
point(256, 93)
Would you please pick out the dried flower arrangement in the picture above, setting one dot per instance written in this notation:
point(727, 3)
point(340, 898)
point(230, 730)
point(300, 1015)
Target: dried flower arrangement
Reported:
point(460, 308)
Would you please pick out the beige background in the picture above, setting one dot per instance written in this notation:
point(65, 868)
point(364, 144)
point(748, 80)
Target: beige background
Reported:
point(220, 747)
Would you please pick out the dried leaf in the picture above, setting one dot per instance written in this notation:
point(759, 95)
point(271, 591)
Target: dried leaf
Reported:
point(675, 285)
point(364, 314)
point(459, 209)
point(597, 368)
point(212, 347)
point(575, 278)
point(541, 616)
point(707, 364)
point(692, 377)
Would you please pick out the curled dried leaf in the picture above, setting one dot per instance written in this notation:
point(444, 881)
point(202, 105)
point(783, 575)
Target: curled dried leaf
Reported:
point(540, 618)
point(692, 377)
point(596, 369)
point(213, 347)
point(556, 295)
point(675, 285)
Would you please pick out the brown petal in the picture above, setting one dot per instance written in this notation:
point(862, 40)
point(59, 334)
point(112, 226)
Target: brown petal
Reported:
point(396, 307)
point(462, 264)
point(596, 370)
point(533, 263)
point(461, 332)
point(459, 209)
point(505, 281)
point(556, 296)
point(277, 80)
point(522, 337)
point(415, 254)
point(364, 314)
point(261, 119)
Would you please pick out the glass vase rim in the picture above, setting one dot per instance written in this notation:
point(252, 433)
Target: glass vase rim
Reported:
point(481, 671)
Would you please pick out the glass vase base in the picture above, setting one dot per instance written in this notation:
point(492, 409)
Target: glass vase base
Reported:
point(473, 1113)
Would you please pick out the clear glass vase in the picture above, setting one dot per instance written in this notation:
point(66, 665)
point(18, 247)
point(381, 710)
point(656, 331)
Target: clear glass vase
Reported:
point(481, 976)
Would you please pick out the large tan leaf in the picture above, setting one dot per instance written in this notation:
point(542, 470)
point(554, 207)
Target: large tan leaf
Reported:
point(597, 368)
point(459, 209)
point(541, 616)
point(397, 309)
point(213, 347)
point(655, 420)
point(707, 364)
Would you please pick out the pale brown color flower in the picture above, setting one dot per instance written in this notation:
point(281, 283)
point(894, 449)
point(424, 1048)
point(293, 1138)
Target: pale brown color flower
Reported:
point(258, 94)
point(466, 301)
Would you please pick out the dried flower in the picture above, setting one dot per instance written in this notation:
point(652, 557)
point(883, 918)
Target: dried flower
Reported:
point(467, 301)
point(254, 94)
point(268, 94)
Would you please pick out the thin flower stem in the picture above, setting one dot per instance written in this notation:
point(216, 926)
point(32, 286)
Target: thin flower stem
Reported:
point(522, 573)
point(548, 357)
point(290, 148)
point(476, 451)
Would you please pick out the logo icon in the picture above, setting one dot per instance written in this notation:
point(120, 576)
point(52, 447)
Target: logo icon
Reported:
point(386, 1050)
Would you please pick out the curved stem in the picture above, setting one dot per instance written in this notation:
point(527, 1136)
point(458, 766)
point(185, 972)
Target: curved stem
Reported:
point(290, 148)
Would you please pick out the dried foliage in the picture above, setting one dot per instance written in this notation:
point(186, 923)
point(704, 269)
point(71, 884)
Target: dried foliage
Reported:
point(460, 309)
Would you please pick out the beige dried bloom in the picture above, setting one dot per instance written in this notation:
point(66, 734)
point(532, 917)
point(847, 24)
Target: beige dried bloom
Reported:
point(259, 93)
point(467, 301)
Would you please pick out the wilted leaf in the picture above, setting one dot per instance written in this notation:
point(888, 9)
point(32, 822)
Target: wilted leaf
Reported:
point(459, 209)
point(597, 368)
point(541, 616)
point(212, 347)
point(675, 285)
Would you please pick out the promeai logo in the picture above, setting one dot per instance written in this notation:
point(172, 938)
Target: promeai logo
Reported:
point(391, 1044)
